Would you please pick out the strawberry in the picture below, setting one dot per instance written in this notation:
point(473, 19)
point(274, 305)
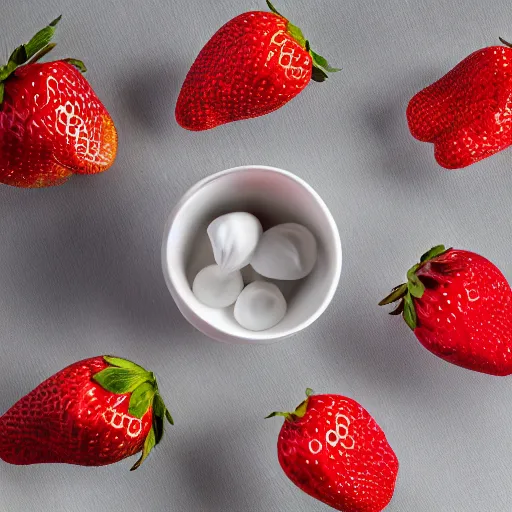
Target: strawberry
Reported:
point(51, 123)
point(95, 412)
point(467, 113)
point(459, 305)
point(332, 449)
point(251, 66)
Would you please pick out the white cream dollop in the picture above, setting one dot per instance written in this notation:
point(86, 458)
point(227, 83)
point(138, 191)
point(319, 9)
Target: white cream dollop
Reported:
point(234, 238)
point(286, 252)
point(260, 306)
point(216, 288)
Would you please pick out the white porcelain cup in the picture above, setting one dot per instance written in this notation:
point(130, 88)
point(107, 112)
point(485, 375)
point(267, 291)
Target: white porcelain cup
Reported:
point(275, 197)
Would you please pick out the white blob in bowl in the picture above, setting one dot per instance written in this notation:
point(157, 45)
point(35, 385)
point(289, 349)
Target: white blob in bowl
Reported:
point(275, 197)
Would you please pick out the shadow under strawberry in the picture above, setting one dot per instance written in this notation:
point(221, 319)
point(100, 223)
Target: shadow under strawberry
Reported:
point(399, 154)
point(210, 472)
point(149, 95)
point(92, 263)
point(372, 354)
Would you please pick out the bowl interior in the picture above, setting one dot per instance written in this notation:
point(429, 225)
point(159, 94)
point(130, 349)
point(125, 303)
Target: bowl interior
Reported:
point(273, 197)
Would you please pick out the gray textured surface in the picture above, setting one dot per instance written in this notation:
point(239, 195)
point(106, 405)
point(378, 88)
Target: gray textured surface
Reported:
point(80, 264)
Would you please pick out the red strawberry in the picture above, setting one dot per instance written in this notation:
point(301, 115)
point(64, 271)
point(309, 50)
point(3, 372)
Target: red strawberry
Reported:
point(459, 305)
point(467, 114)
point(92, 413)
point(251, 66)
point(51, 123)
point(332, 449)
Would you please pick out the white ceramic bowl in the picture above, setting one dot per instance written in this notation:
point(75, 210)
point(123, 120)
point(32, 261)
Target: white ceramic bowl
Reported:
point(274, 196)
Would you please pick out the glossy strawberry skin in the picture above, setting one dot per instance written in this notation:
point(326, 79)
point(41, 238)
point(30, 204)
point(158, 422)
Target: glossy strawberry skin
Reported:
point(250, 67)
point(465, 314)
point(338, 454)
point(70, 419)
point(52, 125)
point(467, 114)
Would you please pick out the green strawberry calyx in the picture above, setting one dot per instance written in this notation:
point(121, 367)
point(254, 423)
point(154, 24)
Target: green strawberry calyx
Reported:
point(121, 377)
point(321, 67)
point(298, 413)
point(31, 52)
point(413, 289)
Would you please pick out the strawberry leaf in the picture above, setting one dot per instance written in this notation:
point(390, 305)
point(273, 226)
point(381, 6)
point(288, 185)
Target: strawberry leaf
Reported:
point(412, 271)
point(2, 89)
point(414, 285)
point(299, 412)
point(395, 295)
point(435, 251)
point(149, 444)
point(322, 63)
point(7, 71)
point(18, 57)
point(121, 380)
point(159, 414)
point(123, 376)
point(301, 409)
point(41, 53)
point(273, 9)
point(158, 428)
point(278, 413)
point(320, 66)
point(158, 405)
point(30, 52)
point(506, 43)
point(297, 34)
point(122, 363)
point(41, 39)
point(318, 75)
point(78, 64)
point(169, 417)
point(141, 399)
point(399, 309)
point(410, 316)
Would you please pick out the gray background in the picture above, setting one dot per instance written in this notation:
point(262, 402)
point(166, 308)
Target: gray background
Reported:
point(80, 264)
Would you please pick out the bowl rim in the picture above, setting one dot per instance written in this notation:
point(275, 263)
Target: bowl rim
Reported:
point(220, 334)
